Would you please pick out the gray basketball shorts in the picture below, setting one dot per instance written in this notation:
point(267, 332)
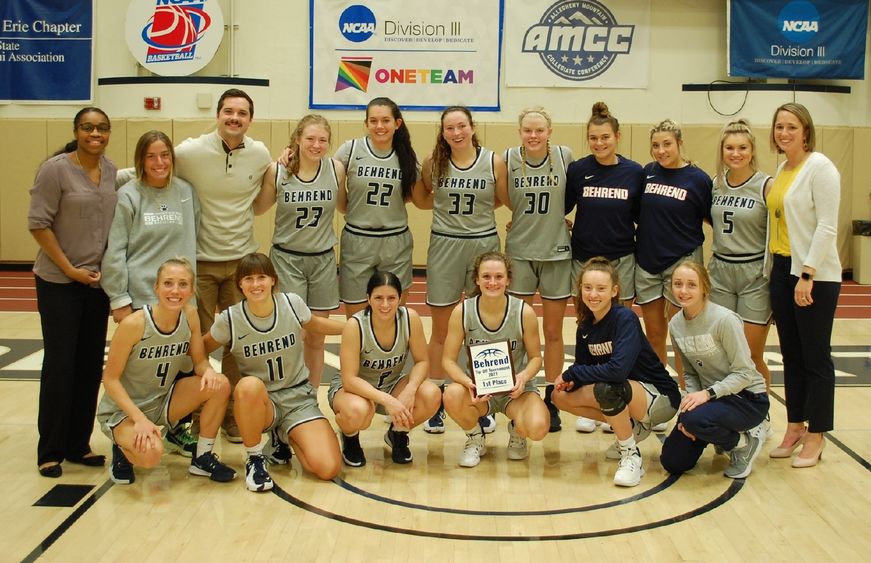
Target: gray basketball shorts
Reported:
point(158, 413)
point(552, 278)
point(362, 255)
point(649, 286)
point(293, 406)
point(625, 266)
point(449, 266)
point(388, 387)
point(312, 277)
point(741, 287)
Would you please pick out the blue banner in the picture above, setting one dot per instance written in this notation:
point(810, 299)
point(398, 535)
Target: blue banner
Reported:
point(797, 39)
point(46, 50)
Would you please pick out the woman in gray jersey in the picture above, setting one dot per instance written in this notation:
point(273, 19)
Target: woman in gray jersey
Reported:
point(264, 334)
point(376, 345)
point(726, 401)
point(382, 170)
point(156, 216)
point(538, 239)
point(142, 394)
point(489, 315)
point(305, 193)
point(460, 182)
point(740, 227)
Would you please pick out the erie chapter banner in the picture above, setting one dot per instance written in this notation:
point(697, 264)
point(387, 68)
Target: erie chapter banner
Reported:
point(797, 39)
point(423, 54)
point(46, 50)
point(578, 43)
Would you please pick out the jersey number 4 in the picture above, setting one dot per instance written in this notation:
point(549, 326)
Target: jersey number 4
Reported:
point(162, 373)
point(379, 194)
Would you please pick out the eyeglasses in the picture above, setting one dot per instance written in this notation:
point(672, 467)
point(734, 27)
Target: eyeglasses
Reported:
point(89, 127)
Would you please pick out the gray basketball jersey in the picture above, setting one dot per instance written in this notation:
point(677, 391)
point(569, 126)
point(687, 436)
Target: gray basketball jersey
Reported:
point(152, 365)
point(465, 198)
point(273, 353)
point(537, 193)
point(511, 329)
point(374, 191)
point(379, 367)
point(304, 210)
point(740, 219)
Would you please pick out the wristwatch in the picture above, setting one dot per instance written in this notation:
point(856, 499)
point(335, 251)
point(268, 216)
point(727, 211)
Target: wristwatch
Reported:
point(806, 276)
point(711, 393)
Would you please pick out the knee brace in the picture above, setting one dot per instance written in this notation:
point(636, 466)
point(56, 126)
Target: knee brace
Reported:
point(613, 398)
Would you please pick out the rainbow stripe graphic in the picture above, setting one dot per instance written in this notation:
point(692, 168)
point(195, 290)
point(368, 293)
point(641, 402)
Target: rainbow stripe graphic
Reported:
point(354, 73)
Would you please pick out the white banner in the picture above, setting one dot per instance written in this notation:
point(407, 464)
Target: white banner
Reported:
point(423, 54)
point(571, 43)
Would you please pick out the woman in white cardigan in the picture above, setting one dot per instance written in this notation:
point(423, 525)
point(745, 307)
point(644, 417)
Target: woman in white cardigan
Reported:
point(805, 280)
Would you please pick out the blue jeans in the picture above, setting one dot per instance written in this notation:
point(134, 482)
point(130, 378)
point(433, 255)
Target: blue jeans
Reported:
point(716, 422)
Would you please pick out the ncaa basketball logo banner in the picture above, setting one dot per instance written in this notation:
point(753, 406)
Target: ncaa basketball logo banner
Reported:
point(797, 39)
point(571, 43)
point(174, 37)
point(424, 54)
point(46, 50)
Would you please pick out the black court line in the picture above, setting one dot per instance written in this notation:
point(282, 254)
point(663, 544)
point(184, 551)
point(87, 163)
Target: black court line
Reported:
point(67, 523)
point(733, 489)
point(841, 445)
point(669, 481)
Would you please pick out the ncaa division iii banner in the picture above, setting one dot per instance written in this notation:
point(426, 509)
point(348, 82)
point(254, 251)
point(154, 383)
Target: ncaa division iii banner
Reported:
point(797, 39)
point(423, 54)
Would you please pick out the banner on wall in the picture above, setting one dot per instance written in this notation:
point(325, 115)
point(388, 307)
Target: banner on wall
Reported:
point(174, 37)
point(423, 54)
point(571, 43)
point(46, 50)
point(797, 39)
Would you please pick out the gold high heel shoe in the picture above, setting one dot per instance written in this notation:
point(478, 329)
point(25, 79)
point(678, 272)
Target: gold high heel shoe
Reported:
point(786, 451)
point(800, 462)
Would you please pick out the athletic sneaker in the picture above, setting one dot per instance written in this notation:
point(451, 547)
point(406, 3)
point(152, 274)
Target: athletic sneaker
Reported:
point(398, 442)
point(276, 451)
point(661, 427)
point(231, 432)
point(741, 459)
point(352, 453)
point(630, 469)
point(256, 476)
point(555, 423)
point(473, 450)
point(121, 471)
point(767, 429)
point(641, 433)
point(208, 465)
point(180, 441)
point(517, 448)
point(606, 428)
point(585, 425)
point(488, 423)
point(436, 424)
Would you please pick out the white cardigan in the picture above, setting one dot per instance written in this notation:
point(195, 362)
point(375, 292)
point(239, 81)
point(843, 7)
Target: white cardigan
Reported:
point(811, 207)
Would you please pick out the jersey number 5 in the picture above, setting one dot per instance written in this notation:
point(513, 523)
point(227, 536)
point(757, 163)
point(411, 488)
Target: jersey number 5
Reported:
point(728, 223)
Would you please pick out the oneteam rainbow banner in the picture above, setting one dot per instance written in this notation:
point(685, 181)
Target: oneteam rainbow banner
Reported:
point(424, 54)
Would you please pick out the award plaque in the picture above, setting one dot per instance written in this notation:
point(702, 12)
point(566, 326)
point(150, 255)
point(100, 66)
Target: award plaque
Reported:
point(492, 367)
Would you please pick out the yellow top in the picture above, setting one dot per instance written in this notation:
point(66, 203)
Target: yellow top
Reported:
point(778, 242)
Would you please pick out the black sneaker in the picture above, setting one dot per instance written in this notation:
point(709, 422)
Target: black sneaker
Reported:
point(179, 440)
point(208, 465)
point(276, 451)
point(555, 423)
point(352, 453)
point(398, 442)
point(256, 476)
point(121, 471)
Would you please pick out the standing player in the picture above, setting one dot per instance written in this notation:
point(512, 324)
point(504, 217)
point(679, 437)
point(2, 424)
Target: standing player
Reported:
point(376, 343)
point(306, 192)
point(263, 332)
point(488, 315)
point(538, 240)
point(382, 169)
point(675, 203)
point(617, 377)
point(143, 395)
point(606, 188)
point(460, 181)
point(740, 225)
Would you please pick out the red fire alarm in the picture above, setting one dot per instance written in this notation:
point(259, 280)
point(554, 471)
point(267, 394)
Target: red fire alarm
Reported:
point(152, 103)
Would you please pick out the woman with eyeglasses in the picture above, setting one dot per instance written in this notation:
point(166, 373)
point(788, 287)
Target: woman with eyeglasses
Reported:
point(71, 208)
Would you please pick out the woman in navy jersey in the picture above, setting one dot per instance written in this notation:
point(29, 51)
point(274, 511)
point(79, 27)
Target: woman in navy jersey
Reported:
point(617, 377)
point(675, 202)
point(606, 188)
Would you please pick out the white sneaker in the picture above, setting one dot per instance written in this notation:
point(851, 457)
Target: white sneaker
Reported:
point(661, 427)
point(488, 423)
point(606, 428)
point(517, 448)
point(585, 425)
point(630, 470)
point(767, 430)
point(639, 430)
point(473, 450)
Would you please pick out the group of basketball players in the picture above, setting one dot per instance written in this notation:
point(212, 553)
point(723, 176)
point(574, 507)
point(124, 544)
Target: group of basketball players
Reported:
point(637, 235)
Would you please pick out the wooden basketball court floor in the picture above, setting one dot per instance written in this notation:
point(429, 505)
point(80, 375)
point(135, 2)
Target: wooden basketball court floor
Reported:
point(559, 505)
